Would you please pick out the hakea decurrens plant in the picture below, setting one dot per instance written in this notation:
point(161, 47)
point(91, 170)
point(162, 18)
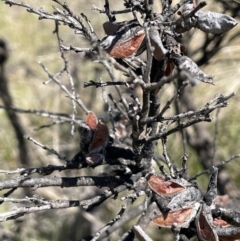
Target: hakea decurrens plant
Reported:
point(151, 54)
point(181, 204)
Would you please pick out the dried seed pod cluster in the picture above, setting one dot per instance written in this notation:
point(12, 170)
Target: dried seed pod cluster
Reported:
point(211, 222)
point(179, 201)
point(93, 138)
point(127, 39)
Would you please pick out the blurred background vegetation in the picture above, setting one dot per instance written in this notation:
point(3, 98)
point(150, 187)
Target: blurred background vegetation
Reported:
point(31, 41)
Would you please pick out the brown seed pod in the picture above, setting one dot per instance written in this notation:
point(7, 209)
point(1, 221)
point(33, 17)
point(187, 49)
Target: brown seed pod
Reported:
point(93, 136)
point(173, 193)
point(225, 231)
point(204, 224)
point(181, 217)
point(185, 198)
point(100, 138)
point(86, 131)
point(125, 42)
point(162, 187)
point(91, 120)
point(219, 222)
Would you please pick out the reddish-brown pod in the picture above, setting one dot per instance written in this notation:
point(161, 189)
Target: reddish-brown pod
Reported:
point(181, 217)
point(219, 222)
point(226, 231)
point(204, 224)
point(126, 41)
point(127, 48)
point(169, 218)
point(91, 120)
point(162, 187)
point(100, 138)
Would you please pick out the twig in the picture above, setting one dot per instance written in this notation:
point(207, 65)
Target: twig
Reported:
point(177, 128)
point(168, 161)
point(103, 84)
point(44, 113)
point(45, 15)
point(66, 69)
point(127, 10)
point(8, 193)
point(202, 112)
point(183, 132)
point(68, 181)
point(215, 136)
point(146, 77)
point(79, 163)
point(46, 148)
point(184, 164)
point(89, 204)
point(76, 49)
point(131, 214)
point(156, 85)
point(64, 88)
point(117, 106)
point(176, 7)
point(47, 170)
point(49, 125)
point(7, 172)
point(111, 17)
point(140, 234)
point(169, 102)
point(109, 224)
point(74, 19)
point(21, 211)
point(218, 166)
point(109, 108)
